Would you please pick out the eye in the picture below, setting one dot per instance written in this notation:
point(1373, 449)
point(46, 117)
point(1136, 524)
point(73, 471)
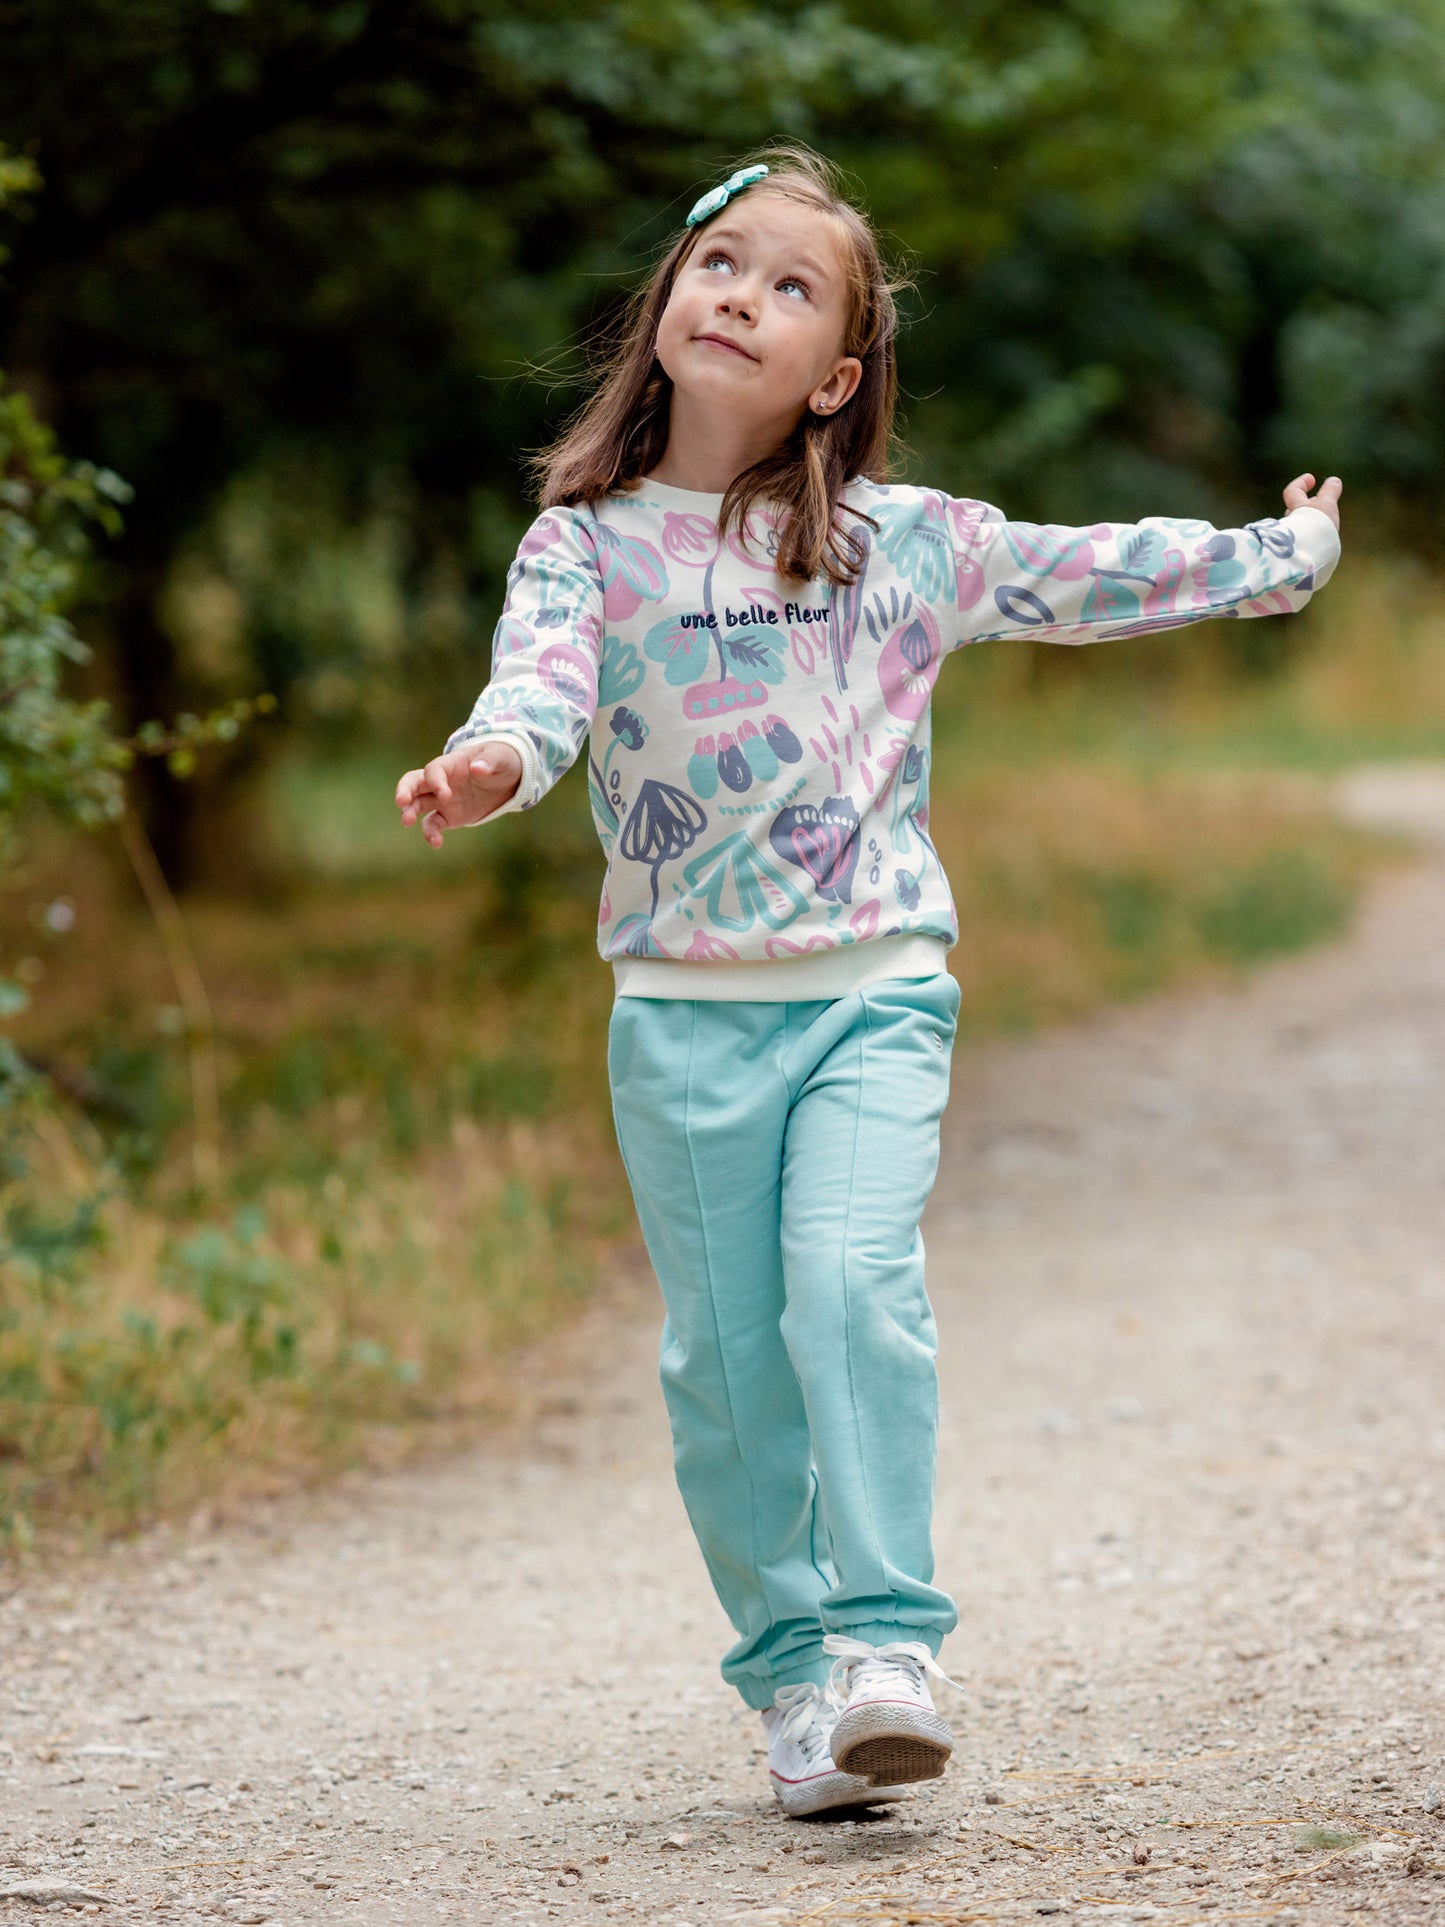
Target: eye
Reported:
point(714, 256)
point(792, 281)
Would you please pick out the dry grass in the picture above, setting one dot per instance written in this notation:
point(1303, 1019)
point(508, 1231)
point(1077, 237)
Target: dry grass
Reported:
point(417, 1168)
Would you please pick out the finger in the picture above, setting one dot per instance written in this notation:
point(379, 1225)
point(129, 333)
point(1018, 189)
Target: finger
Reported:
point(1331, 488)
point(436, 775)
point(421, 801)
point(433, 824)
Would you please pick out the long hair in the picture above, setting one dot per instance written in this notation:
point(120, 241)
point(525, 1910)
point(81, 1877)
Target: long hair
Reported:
point(619, 434)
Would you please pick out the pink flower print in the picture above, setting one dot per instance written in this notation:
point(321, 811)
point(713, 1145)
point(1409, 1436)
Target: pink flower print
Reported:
point(632, 573)
point(1043, 550)
point(542, 534)
point(689, 539)
point(970, 531)
point(604, 914)
point(1164, 596)
point(785, 947)
point(706, 948)
point(570, 674)
point(865, 918)
point(909, 662)
point(702, 768)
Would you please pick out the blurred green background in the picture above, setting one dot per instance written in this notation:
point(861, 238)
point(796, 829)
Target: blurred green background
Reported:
point(305, 1124)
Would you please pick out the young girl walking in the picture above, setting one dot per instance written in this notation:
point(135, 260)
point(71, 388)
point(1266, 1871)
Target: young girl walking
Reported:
point(728, 608)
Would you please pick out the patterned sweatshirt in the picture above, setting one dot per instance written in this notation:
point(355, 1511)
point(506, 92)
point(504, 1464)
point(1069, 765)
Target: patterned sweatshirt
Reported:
point(758, 750)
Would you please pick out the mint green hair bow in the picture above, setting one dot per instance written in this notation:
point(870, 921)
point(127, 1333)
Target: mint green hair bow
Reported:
point(718, 197)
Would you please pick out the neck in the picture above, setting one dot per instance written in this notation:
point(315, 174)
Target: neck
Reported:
point(708, 447)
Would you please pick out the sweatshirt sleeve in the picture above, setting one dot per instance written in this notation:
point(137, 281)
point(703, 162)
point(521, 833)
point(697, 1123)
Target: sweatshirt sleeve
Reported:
point(542, 696)
point(1113, 579)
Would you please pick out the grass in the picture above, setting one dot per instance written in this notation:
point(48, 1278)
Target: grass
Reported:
point(418, 1172)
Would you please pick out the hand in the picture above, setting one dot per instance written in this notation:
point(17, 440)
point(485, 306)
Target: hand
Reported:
point(1326, 500)
point(462, 788)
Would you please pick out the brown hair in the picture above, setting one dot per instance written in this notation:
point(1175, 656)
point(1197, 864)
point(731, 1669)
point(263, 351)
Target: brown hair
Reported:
point(619, 434)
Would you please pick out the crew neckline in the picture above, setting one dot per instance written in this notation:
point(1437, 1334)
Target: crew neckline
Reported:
point(667, 489)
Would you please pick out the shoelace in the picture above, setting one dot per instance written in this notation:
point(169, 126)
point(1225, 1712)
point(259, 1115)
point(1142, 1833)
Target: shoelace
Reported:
point(808, 1719)
point(857, 1663)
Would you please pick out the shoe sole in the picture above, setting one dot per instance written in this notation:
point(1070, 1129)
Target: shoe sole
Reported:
point(889, 1745)
point(832, 1790)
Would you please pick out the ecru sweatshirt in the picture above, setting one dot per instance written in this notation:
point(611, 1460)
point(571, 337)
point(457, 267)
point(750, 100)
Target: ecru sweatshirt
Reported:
point(758, 751)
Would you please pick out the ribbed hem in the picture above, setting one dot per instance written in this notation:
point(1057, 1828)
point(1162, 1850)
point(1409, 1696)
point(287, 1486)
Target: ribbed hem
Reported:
point(529, 785)
point(817, 975)
point(886, 1632)
point(758, 1692)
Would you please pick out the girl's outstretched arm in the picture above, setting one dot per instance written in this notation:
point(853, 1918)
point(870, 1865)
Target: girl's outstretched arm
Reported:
point(539, 704)
point(1088, 584)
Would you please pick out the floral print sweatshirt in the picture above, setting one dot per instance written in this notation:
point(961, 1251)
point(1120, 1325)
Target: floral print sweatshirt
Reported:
point(757, 750)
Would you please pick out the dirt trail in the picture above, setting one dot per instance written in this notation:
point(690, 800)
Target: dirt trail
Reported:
point(1187, 1263)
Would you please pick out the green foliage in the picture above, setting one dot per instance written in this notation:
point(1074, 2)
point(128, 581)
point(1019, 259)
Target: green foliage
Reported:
point(1286, 901)
point(292, 263)
point(51, 748)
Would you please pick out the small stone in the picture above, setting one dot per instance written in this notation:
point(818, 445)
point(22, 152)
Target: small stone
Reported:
point(1142, 1854)
point(678, 1840)
point(1416, 1863)
point(993, 1798)
point(1050, 1907)
point(815, 1856)
point(1434, 1799)
point(48, 1887)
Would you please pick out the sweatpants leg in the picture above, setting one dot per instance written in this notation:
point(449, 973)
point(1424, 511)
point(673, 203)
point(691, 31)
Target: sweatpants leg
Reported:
point(870, 1084)
point(701, 1108)
point(780, 1156)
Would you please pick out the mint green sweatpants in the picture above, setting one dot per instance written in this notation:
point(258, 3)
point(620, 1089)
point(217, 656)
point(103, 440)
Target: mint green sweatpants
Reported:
point(780, 1156)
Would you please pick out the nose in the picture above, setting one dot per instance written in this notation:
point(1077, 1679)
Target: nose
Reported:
point(741, 302)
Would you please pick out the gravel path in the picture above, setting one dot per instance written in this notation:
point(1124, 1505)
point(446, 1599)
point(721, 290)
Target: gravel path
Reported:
point(1187, 1263)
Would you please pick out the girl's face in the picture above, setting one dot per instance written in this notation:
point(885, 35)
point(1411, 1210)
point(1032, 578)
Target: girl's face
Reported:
point(758, 313)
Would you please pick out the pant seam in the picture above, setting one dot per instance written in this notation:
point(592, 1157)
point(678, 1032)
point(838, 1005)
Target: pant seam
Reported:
point(817, 1511)
point(847, 1278)
point(712, 1306)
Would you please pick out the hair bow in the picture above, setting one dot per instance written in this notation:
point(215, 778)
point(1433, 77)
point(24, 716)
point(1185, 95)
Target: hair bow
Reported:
point(718, 197)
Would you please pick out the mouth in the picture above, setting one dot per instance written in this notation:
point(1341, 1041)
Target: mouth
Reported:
point(721, 341)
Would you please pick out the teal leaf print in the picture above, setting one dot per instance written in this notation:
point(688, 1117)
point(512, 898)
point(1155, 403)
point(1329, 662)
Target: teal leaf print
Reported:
point(622, 671)
point(916, 542)
point(740, 886)
point(684, 652)
point(1109, 600)
point(759, 650)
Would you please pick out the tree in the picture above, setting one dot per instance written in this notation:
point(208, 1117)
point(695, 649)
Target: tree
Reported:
point(285, 238)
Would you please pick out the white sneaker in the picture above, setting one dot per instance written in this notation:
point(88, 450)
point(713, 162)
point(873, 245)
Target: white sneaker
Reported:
point(886, 1727)
point(804, 1778)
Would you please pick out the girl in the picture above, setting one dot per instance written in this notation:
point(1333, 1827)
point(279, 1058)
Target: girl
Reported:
point(728, 604)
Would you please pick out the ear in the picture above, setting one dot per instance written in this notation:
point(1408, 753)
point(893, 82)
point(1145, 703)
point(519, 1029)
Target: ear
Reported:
point(837, 386)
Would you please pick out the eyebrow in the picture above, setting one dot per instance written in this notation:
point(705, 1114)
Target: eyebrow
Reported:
point(810, 262)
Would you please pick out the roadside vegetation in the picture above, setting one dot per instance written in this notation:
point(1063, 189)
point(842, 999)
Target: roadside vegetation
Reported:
point(415, 1173)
